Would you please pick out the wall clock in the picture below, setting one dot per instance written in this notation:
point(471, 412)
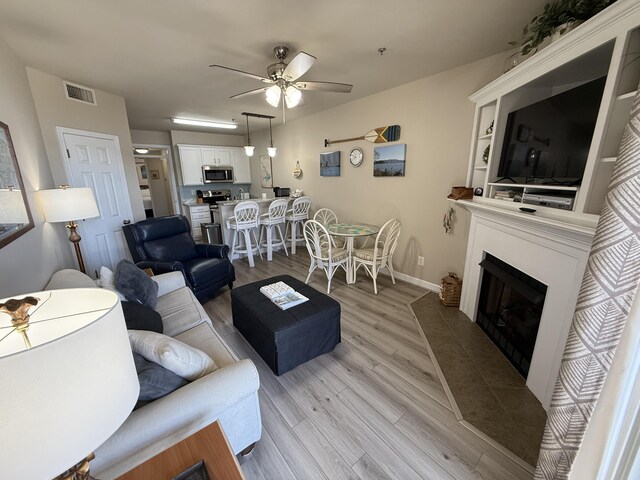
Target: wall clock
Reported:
point(356, 156)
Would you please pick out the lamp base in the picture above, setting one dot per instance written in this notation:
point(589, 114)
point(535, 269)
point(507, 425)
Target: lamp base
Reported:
point(80, 471)
point(75, 239)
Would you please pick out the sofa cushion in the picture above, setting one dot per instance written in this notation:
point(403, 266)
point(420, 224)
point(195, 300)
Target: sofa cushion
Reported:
point(205, 338)
point(141, 317)
point(155, 380)
point(135, 284)
point(180, 311)
point(182, 359)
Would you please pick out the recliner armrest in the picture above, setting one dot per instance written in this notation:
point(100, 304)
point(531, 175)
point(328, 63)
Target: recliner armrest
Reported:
point(209, 250)
point(158, 266)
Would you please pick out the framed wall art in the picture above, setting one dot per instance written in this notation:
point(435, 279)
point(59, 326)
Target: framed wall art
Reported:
point(330, 164)
point(389, 161)
point(266, 175)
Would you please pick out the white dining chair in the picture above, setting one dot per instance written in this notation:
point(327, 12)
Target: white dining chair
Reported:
point(295, 217)
point(243, 223)
point(327, 217)
point(380, 255)
point(322, 252)
point(270, 224)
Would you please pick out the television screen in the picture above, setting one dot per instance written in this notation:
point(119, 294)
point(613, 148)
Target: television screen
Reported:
point(550, 139)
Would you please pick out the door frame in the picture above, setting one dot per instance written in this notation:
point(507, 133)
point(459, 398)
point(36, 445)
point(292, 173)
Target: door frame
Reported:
point(61, 131)
point(175, 201)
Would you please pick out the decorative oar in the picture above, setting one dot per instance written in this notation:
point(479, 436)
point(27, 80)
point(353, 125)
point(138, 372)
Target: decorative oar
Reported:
point(377, 135)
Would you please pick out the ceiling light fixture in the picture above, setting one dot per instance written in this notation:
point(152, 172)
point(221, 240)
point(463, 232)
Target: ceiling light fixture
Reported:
point(273, 95)
point(248, 148)
point(271, 150)
point(202, 123)
point(142, 151)
point(292, 96)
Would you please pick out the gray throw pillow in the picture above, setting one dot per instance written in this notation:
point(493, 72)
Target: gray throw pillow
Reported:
point(155, 380)
point(135, 284)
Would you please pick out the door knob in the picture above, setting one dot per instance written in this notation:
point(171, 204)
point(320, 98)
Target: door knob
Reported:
point(126, 222)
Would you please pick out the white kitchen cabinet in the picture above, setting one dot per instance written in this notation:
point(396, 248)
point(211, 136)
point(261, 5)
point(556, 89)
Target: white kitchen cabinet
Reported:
point(198, 214)
point(190, 164)
point(241, 166)
point(215, 156)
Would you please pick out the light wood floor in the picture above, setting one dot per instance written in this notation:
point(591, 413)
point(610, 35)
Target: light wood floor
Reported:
point(373, 408)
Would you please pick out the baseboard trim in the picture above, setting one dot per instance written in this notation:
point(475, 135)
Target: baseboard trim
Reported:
point(416, 281)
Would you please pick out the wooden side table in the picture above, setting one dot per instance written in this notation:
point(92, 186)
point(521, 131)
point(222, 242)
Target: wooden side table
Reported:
point(208, 444)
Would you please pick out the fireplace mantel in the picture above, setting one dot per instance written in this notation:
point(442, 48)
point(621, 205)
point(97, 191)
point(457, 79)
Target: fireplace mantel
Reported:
point(545, 246)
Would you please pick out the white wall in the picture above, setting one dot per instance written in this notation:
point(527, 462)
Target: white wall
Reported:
point(148, 137)
point(27, 263)
point(436, 119)
point(109, 116)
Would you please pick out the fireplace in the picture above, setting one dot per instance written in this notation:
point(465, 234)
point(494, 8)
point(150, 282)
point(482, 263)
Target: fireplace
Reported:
point(510, 309)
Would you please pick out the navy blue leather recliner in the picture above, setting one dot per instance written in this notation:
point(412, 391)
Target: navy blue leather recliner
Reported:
point(165, 244)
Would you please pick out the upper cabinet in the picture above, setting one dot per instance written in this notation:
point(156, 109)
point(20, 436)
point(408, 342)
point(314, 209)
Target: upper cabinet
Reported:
point(194, 157)
point(529, 137)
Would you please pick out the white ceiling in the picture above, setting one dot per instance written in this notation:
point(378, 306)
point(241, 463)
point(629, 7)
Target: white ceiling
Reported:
point(156, 53)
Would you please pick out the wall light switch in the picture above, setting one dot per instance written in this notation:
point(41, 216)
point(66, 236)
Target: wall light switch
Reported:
point(421, 261)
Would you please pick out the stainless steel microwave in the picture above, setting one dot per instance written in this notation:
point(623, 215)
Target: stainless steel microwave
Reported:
point(212, 174)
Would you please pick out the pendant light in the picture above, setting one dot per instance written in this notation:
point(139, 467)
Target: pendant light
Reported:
point(248, 148)
point(271, 150)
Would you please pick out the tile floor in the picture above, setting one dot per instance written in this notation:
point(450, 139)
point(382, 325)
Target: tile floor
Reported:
point(490, 394)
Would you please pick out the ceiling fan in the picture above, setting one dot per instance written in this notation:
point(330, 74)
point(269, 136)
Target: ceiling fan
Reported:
point(282, 79)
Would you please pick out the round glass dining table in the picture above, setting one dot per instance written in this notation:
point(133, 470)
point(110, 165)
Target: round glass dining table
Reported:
point(349, 231)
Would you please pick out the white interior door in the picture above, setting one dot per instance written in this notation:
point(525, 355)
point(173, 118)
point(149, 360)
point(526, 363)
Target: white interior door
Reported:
point(94, 160)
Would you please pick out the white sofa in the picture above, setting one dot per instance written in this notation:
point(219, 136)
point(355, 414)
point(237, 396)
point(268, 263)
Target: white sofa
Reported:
point(229, 394)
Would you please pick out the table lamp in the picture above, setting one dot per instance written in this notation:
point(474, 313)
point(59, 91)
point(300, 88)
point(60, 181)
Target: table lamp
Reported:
point(67, 380)
point(66, 204)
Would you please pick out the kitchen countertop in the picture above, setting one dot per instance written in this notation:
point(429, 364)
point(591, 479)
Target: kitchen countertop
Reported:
point(257, 200)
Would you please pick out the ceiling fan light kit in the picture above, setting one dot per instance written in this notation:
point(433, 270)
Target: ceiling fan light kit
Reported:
point(203, 123)
point(283, 78)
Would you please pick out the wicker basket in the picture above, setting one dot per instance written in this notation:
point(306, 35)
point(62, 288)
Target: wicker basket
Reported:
point(451, 289)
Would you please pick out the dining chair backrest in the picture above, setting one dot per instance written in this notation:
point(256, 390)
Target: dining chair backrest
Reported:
point(325, 216)
point(278, 209)
point(318, 240)
point(246, 214)
point(300, 208)
point(387, 239)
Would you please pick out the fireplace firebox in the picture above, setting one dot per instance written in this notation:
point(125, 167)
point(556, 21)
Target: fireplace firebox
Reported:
point(509, 310)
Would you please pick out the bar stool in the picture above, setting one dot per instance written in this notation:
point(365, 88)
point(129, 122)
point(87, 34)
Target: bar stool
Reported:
point(271, 221)
point(244, 222)
point(296, 216)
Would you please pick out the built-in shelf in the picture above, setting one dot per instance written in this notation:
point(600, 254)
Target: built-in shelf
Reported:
point(608, 160)
point(534, 186)
point(627, 96)
point(486, 137)
point(480, 167)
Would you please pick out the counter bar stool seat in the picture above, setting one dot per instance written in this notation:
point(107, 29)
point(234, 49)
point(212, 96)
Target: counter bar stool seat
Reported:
point(270, 224)
point(243, 223)
point(296, 216)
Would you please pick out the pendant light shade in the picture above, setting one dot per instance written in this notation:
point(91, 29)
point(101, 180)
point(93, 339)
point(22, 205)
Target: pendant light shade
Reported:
point(248, 148)
point(271, 150)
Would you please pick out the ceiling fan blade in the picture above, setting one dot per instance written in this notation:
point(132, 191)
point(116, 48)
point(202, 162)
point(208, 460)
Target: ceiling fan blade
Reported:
point(298, 66)
point(324, 86)
point(246, 74)
point(250, 92)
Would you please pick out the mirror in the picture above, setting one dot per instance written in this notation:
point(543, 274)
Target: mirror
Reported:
point(15, 216)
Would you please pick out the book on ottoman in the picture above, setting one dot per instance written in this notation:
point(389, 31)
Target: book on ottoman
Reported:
point(283, 295)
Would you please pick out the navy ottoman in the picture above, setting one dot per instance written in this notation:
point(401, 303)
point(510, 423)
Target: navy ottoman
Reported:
point(286, 338)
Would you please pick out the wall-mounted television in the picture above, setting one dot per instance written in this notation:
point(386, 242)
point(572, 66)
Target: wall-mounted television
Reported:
point(548, 142)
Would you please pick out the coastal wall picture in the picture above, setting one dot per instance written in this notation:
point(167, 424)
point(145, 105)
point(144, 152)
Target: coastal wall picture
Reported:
point(388, 161)
point(330, 164)
point(266, 175)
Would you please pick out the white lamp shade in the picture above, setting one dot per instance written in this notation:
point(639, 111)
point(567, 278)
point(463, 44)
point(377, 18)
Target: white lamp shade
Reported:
point(271, 151)
point(72, 390)
point(12, 208)
point(248, 149)
point(273, 95)
point(292, 96)
point(66, 204)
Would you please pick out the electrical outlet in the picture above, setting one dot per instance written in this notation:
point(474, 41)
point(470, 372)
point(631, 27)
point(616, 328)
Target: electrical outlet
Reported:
point(193, 192)
point(421, 261)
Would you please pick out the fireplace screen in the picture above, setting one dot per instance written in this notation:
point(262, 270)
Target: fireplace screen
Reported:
point(510, 309)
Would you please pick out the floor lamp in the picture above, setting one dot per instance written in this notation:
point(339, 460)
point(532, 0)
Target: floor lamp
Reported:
point(67, 380)
point(66, 204)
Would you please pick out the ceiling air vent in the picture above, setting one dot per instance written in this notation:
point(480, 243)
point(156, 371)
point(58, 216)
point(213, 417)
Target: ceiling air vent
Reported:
point(80, 93)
